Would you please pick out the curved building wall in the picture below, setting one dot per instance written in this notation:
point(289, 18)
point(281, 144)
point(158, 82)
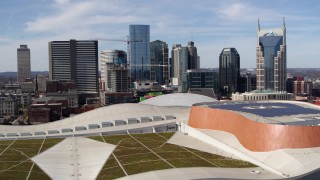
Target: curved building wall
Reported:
point(255, 136)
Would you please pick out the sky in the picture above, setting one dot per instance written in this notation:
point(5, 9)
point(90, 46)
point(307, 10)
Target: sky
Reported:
point(211, 24)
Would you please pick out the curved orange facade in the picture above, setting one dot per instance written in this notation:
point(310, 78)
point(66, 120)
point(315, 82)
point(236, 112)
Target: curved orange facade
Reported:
point(255, 136)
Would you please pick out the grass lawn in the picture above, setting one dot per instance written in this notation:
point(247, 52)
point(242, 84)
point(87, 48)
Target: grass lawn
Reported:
point(15, 162)
point(135, 158)
point(136, 153)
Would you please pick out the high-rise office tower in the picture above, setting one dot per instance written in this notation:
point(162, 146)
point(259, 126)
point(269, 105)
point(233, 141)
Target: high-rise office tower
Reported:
point(180, 63)
point(75, 61)
point(271, 55)
point(159, 62)
point(110, 59)
point(193, 56)
point(24, 65)
point(118, 79)
point(139, 52)
point(174, 46)
point(229, 71)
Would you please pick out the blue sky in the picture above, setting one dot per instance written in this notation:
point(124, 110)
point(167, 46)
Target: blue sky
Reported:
point(211, 24)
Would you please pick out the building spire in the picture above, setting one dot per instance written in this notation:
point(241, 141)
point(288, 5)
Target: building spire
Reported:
point(283, 22)
point(259, 25)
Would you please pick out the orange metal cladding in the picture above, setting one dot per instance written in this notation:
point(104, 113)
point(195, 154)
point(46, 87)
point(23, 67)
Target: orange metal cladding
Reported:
point(253, 135)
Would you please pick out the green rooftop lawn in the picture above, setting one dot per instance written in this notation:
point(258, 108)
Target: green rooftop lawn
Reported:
point(152, 152)
point(37, 173)
point(15, 162)
point(116, 173)
point(49, 143)
point(136, 168)
point(135, 158)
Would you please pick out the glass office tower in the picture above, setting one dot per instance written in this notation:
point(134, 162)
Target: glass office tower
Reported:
point(229, 71)
point(111, 59)
point(139, 52)
point(271, 58)
point(159, 62)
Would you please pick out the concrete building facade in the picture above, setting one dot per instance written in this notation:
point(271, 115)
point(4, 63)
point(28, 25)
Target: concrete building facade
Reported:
point(259, 95)
point(8, 105)
point(119, 79)
point(41, 81)
point(75, 61)
point(180, 62)
point(24, 64)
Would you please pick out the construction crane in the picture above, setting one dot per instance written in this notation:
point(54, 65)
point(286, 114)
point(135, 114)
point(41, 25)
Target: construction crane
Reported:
point(149, 65)
point(128, 60)
point(121, 40)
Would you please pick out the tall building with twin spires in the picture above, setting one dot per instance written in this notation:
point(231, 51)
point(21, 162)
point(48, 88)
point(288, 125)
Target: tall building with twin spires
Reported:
point(271, 57)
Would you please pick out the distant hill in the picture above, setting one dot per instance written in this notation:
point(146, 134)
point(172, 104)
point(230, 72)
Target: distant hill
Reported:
point(13, 75)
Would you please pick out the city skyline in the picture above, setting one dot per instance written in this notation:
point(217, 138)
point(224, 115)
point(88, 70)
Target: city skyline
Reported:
point(208, 24)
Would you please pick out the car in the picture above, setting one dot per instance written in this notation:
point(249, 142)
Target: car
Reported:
point(255, 172)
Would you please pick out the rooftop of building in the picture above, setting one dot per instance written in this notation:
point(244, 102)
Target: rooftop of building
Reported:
point(273, 112)
point(60, 150)
point(269, 91)
point(46, 99)
point(178, 99)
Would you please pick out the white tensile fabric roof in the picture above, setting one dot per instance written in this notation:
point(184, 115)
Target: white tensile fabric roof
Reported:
point(178, 99)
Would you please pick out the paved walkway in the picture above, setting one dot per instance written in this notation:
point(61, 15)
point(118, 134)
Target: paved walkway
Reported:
point(74, 158)
point(202, 173)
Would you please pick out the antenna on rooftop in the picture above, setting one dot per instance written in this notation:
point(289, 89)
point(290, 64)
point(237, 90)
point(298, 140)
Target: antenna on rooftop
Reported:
point(191, 36)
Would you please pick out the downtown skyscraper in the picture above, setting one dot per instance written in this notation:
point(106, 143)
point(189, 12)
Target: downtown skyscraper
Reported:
point(139, 52)
point(229, 71)
point(159, 62)
point(113, 61)
point(75, 61)
point(183, 59)
point(271, 57)
point(24, 64)
point(179, 64)
point(193, 58)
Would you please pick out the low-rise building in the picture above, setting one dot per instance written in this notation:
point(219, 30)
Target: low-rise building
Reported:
point(199, 78)
point(259, 95)
point(41, 81)
point(25, 99)
point(144, 85)
point(60, 86)
point(109, 98)
point(11, 86)
point(28, 87)
point(38, 113)
point(71, 96)
point(299, 86)
point(8, 105)
point(64, 109)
